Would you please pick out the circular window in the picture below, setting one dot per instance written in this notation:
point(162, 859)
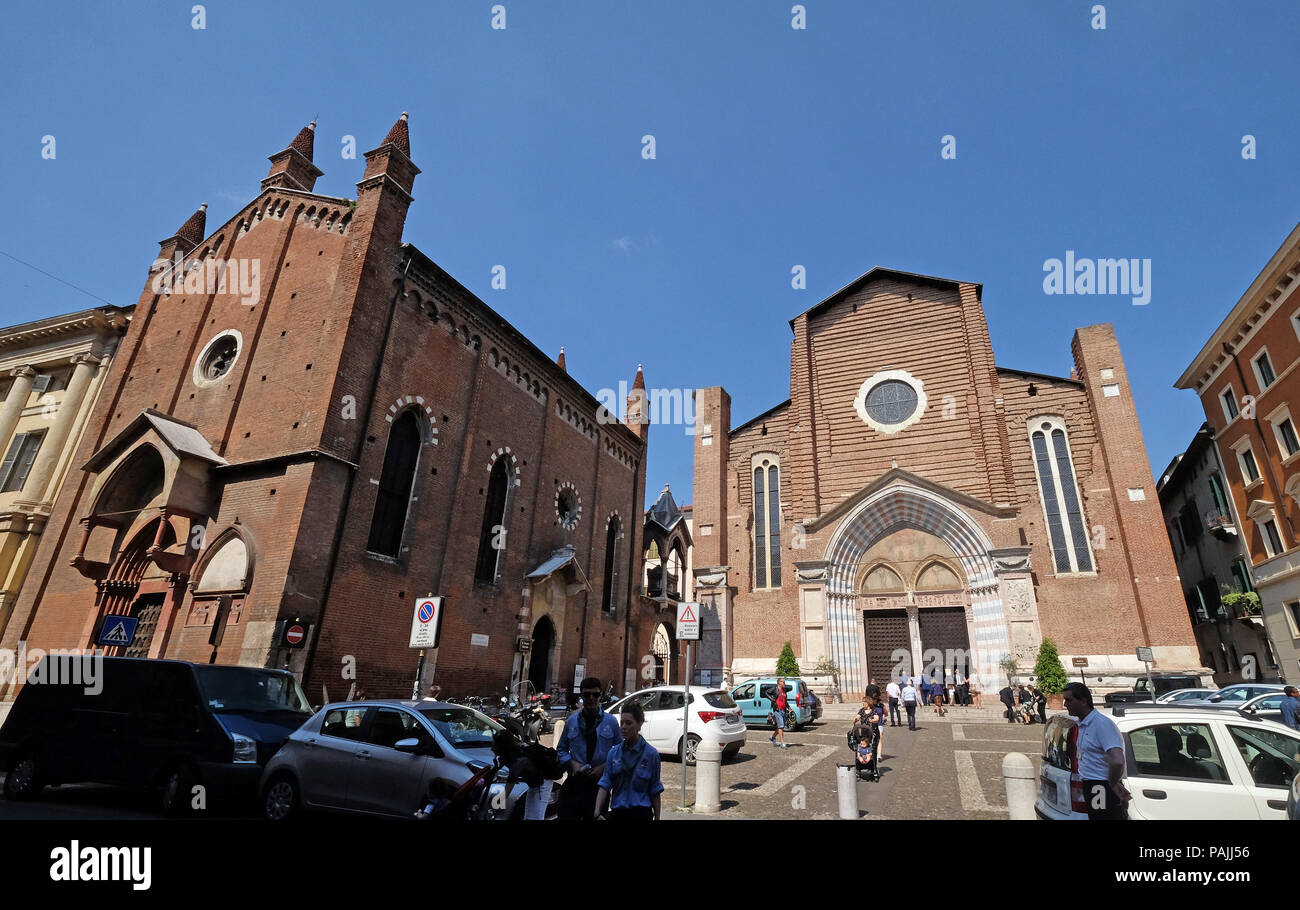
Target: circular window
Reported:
point(890, 400)
point(568, 506)
point(217, 358)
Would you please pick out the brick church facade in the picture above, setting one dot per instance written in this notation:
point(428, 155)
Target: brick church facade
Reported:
point(309, 419)
point(914, 506)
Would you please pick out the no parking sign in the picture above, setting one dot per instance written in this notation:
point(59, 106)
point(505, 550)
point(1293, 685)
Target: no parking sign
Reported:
point(426, 624)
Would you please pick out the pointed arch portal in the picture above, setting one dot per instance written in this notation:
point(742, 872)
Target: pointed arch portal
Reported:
point(972, 617)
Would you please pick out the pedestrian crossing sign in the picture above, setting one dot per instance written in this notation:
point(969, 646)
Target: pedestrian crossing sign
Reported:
point(118, 630)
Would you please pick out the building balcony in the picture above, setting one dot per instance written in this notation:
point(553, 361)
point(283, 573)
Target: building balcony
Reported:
point(1220, 525)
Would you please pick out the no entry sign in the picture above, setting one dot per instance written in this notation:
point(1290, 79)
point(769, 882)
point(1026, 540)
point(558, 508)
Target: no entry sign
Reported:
point(294, 635)
point(427, 622)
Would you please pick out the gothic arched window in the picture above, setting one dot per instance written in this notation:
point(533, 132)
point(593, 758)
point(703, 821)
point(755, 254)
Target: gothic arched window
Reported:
point(1066, 528)
point(492, 539)
point(767, 521)
point(394, 499)
point(612, 535)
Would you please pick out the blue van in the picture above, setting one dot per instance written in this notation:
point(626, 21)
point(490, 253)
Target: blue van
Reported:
point(755, 699)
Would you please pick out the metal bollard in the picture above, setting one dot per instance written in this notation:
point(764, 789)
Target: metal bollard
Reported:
point(846, 787)
point(1022, 788)
point(708, 778)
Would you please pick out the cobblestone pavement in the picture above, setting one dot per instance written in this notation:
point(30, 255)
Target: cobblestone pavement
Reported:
point(950, 767)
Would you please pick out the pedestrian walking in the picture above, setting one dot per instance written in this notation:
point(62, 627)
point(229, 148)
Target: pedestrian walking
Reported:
point(975, 694)
point(1040, 702)
point(583, 746)
point(1008, 698)
point(779, 706)
point(936, 696)
point(1291, 707)
point(630, 784)
point(895, 692)
point(909, 697)
point(1101, 756)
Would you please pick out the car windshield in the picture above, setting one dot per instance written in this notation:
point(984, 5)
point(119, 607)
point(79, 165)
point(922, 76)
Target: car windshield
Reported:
point(1239, 693)
point(1142, 685)
point(463, 727)
point(251, 689)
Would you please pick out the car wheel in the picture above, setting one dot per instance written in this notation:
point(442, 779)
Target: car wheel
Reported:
point(280, 800)
point(176, 790)
point(692, 746)
point(23, 780)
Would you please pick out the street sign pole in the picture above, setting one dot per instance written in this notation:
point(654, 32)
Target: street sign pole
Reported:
point(419, 671)
point(686, 719)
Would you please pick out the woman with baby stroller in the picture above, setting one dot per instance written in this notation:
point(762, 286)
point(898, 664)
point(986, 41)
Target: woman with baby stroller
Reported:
point(864, 739)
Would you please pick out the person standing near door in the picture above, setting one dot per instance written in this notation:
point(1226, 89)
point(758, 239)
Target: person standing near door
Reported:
point(1101, 757)
point(895, 693)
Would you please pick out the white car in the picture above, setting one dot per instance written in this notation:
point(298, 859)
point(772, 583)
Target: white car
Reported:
point(1183, 763)
point(714, 718)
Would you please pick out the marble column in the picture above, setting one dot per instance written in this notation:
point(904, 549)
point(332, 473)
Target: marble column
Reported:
point(13, 406)
point(56, 437)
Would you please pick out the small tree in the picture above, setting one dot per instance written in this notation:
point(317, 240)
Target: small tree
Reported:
point(1049, 670)
point(786, 664)
point(1243, 603)
point(1008, 665)
point(828, 667)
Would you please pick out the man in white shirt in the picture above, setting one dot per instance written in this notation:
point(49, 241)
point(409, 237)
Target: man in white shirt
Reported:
point(895, 693)
point(909, 697)
point(1101, 756)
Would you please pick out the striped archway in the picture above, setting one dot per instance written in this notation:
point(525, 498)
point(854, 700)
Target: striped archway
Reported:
point(898, 506)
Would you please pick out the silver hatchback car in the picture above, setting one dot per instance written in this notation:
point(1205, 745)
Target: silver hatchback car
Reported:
point(382, 758)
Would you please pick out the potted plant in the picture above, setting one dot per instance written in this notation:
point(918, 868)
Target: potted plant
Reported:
point(1050, 673)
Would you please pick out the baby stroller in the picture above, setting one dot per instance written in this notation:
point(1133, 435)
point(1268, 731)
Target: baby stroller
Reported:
point(867, 770)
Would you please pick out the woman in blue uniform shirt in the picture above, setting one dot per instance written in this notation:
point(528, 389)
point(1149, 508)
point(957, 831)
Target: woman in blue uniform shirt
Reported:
point(631, 784)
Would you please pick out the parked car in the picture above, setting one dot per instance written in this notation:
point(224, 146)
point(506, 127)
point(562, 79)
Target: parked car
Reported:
point(162, 724)
point(1183, 763)
point(1265, 707)
point(816, 704)
point(1235, 696)
point(755, 698)
point(1178, 695)
point(713, 718)
point(1150, 687)
point(382, 758)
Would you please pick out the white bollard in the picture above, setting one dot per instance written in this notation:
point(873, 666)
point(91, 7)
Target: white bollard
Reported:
point(708, 778)
point(846, 788)
point(1022, 786)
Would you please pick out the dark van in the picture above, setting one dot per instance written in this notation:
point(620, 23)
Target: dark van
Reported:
point(163, 725)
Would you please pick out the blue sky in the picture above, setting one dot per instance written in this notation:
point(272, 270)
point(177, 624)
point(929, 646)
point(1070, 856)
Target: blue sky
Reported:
point(775, 147)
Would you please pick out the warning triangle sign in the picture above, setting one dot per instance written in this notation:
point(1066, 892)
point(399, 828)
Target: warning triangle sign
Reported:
point(688, 615)
point(117, 635)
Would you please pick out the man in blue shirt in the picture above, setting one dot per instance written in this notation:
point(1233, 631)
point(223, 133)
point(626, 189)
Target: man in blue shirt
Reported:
point(583, 747)
point(1291, 707)
point(1101, 756)
point(631, 783)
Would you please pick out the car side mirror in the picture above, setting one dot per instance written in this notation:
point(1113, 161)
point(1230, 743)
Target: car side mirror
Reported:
point(413, 746)
point(1215, 698)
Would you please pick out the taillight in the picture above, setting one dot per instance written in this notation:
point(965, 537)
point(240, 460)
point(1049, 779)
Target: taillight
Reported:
point(798, 699)
point(707, 716)
point(1078, 803)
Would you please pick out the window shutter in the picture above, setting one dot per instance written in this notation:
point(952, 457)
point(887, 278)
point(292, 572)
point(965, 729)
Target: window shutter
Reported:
point(31, 444)
point(42, 383)
point(10, 458)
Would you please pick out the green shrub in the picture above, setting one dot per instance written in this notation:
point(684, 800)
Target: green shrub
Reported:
point(786, 664)
point(1049, 670)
